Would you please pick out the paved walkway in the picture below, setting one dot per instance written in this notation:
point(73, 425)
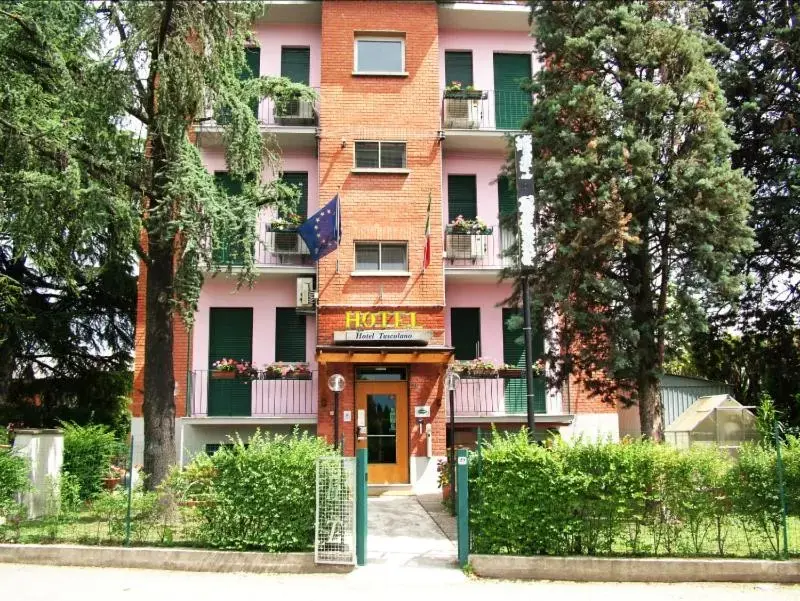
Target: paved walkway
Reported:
point(440, 514)
point(401, 534)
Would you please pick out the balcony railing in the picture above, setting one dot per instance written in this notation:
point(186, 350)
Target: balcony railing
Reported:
point(485, 110)
point(211, 396)
point(272, 249)
point(478, 251)
point(296, 113)
point(487, 397)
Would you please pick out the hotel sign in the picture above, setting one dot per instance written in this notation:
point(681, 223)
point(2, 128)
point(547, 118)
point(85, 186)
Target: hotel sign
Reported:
point(382, 328)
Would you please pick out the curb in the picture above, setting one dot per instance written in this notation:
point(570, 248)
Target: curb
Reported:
point(607, 569)
point(180, 559)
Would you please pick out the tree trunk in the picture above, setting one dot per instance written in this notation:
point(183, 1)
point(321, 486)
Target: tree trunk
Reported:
point(651, 413)
point(159, 379)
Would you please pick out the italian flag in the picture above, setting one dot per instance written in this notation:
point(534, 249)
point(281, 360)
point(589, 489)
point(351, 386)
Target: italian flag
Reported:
point(426, 257)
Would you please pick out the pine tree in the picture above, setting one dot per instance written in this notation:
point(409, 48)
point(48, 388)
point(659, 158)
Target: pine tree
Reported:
point(640, 213)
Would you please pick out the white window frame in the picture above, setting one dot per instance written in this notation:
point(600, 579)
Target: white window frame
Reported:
point(380, 38)
point(380, 271)
point(379, 168)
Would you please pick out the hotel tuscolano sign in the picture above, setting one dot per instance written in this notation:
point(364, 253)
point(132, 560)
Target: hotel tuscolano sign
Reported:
point(382, 328)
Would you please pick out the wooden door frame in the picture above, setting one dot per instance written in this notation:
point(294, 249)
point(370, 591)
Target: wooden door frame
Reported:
point(396, 473)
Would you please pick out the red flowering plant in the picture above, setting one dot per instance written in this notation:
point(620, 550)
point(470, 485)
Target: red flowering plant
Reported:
point(297, 370)
point(224, 365)
point(460, 225)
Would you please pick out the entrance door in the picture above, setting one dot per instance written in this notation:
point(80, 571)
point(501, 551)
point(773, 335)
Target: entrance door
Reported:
point(385, 406)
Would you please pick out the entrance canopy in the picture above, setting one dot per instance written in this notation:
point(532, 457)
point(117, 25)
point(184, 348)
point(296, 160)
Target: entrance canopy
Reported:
point(384, 354)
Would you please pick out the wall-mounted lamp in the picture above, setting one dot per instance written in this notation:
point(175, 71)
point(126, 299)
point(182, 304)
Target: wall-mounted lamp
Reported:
point(336, 385)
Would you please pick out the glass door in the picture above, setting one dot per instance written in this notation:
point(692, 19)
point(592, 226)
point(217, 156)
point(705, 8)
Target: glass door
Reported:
point(383, 407)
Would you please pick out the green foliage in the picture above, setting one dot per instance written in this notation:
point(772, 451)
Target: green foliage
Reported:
point(13, 478)
point(640, 213)
point(88, 451)
point(627, 499)
point(260, 496)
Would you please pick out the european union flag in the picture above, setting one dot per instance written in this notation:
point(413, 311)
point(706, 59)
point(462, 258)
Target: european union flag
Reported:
point(323, 230)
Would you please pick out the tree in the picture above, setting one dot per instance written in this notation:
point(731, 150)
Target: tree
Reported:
point(179, 58)
point(760, 74)
point(67, 288)
point(640, 214)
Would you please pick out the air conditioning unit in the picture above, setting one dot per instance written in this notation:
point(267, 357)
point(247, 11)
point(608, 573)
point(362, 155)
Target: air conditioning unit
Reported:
point(306, 296)
point(461, 113)
point(465, 246)
point(286, 243)
point(294, 112)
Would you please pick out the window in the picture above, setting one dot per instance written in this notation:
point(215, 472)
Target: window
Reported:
point(514, 354)
point(380, 56)
point(458, 67)
point(227, 251)
point(465, 332)
point(381, 256)
point(290, 335)
point(380, 155)
point(462, 197)
point(230, 336)
point(296, 64)
point(299, 179)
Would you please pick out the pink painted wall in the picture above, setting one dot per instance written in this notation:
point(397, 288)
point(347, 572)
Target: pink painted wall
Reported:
point(271, 37)
point(483, 45)
point(488, 298)
point(267, 294)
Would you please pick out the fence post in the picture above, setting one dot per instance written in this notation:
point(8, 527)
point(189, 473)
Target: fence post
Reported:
point(462, 498)
point(130, 493)
point(781, 490)
point(480, 451)
point(361, 507)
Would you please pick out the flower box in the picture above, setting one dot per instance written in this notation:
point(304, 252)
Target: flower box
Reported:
point(222, 375)
point(509, 373)
point(465, 94)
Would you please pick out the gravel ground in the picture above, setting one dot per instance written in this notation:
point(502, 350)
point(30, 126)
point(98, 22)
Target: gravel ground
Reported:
point(45, 583)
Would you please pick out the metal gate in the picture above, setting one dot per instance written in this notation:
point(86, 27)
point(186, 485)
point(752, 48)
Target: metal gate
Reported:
point(335, 532)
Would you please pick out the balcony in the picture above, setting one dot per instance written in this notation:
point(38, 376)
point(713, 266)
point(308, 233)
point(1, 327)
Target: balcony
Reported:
point(288, 400)
point(275, 252)
point(471, 255)
point(294, 123)
point(501, 399)
point(479, 119)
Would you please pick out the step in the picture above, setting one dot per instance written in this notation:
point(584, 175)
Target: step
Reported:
point(389, 490)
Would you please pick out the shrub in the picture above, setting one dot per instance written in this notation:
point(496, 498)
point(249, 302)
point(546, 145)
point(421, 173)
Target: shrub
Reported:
point(260, 496)
point(88, 451)
point(13, 478)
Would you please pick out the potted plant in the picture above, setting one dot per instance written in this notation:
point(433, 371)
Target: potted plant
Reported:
point(245, 371)
point(272, 371)
point(288, 222)
point(455, 89)
point(476, 226)
point(443, 480)
point(297, 371)
point(113, 477)
point(509, 371)
point(224, 369)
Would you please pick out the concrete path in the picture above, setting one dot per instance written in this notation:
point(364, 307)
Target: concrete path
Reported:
point(401, 534)
point(432, 503)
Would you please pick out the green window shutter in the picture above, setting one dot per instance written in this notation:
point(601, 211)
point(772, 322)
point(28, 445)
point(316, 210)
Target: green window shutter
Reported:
point(512, 104)
point(299, 179)
point(252, 55)
point(230, 335)
point(514, 354)
point(462, 197)
point(506, 196)
point(465, 332)
point(290, 335)
point(226, 252)
point(458, 67)
point(296, 64)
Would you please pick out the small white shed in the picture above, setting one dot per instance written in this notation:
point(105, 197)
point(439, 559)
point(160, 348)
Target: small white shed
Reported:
point(718, 420)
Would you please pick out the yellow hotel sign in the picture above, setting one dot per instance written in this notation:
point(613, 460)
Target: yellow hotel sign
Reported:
point(356, 320)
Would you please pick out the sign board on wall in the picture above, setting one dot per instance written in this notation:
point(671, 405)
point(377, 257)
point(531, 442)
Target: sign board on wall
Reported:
point(412, 337)
point(354, 320)
point(523, 146)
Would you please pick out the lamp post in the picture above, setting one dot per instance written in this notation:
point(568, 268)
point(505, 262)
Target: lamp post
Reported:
point(336, 385)
point(451, 381)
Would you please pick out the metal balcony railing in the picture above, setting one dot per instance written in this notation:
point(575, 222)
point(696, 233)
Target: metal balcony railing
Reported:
point(283, 248)
point(478, 251)
point(487, 396)
point(211, 396)
point(485, 109)
point(295, 113)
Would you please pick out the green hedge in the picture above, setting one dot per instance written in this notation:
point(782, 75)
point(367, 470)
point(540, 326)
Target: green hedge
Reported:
point(629, 499)
point(88, 451)
point(257, 496)
point(13, 479)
